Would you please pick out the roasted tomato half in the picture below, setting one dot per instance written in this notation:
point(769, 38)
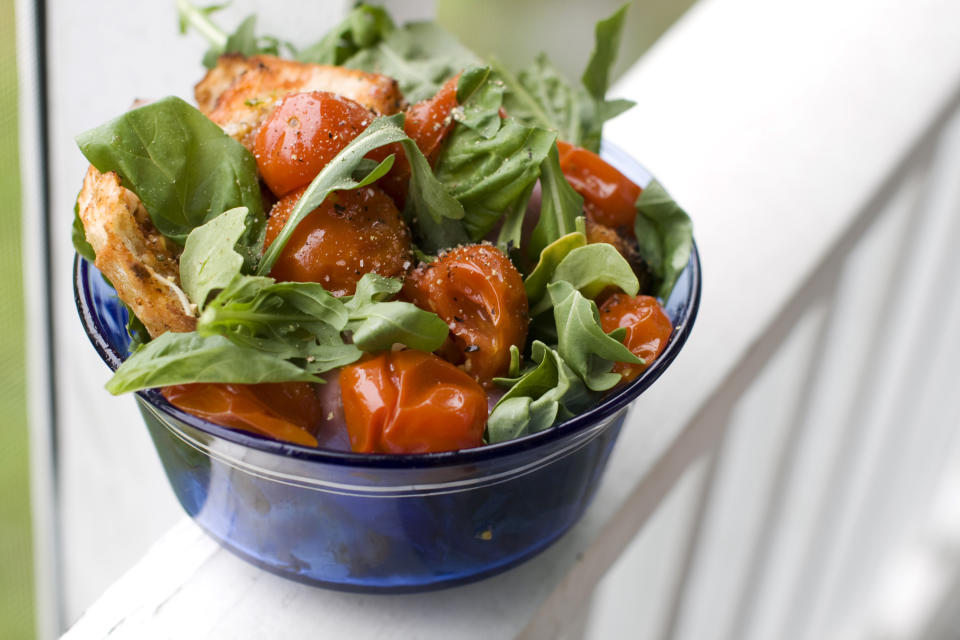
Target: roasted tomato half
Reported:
point(648, 328)
point(350, 234)
point(478, 292)
point(411, 402)
point(608, 195)
point(288, 411)
point(303, 134)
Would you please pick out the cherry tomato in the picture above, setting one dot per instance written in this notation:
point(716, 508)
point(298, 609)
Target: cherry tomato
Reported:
point(411, 402)
point(303, 134)
point(478, 292)
point(427, 123)
point(351, 233)
point(648, 328)
point(288, 411)
point(608, 195)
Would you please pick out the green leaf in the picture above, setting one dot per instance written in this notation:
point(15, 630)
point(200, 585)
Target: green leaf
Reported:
point(379, 325)
point(209, 260)
point(290, 319)
point(664, 236)
point(243, 41)
point(594, 267)
point(582, 343)
point(510, 236)
point(548, 391)
point(79, 237)
point(541, 96)
point(421, 56)
point(181, 165)
point(560, 205)
point(371, 288)
point(479, 97)
point(489, 176)
point(364, 27)
point(607, 32)
point(135, 329)
point(551, 256)
point(182, 358)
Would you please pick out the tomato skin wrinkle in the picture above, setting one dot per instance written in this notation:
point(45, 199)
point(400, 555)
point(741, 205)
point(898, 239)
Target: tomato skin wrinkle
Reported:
point(648, 328)
point(411, 402)
point(608, 195)
point(478, 292)
point(287, 411)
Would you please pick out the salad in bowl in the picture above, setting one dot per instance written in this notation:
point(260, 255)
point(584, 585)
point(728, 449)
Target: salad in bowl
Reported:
point(378, 286)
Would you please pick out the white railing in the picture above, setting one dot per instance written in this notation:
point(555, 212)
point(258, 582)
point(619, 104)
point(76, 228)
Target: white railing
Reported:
point(780, 481)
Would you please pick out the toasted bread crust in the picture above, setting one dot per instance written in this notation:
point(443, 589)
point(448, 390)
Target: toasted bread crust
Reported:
point(141, 264)
point(239, 93)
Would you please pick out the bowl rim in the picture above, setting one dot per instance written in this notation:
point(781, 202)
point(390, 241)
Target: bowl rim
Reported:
point(604, 409)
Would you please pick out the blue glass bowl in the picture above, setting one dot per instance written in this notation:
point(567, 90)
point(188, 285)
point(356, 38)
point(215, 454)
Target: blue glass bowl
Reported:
point(384, 523)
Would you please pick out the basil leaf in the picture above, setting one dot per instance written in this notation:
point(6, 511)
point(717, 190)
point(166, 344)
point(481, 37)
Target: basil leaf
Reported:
point(510, 236)
point(551, 256)
point(181, 165)
point(581, 342)
point(488, 176)
point(664, 236)
point(377, 326)
point(209, 261)
point(420, 56)
point(183, 358)
point(79, 237)
point(364, 27)
point(135, 329)
point(560, 205)
point(549, 391)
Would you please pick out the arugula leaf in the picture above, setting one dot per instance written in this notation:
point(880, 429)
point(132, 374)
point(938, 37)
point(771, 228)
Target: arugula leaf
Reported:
point(560, 205)
point(510, 236)
point(182, 358)
point(581, 342)
point(135, 329)
point(549, 391)
point(489, 176)
point(542, 96)
point(596, 78)
point(377, 324)
point(590, 269)
point(434, 212)
point(79, 237)
point(181, 165)
point(664, 236)
point(479, 97)
point(551, 256)
point(364, 27)
point(420, 56)
point(292, 319)
point(209, 260)
point(243, 41)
